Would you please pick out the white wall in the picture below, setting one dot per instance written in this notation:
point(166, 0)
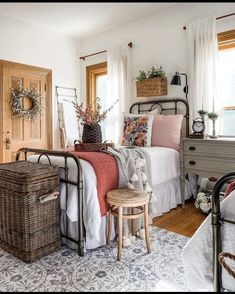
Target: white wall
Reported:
point(28, 44)
point(158, 39)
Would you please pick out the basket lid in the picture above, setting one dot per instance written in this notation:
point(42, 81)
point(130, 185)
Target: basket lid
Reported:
point(26, 170)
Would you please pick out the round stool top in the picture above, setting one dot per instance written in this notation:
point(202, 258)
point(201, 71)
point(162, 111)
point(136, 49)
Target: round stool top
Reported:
point(127, 197)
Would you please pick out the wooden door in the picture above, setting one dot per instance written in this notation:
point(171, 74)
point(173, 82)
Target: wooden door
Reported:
point(21, 132)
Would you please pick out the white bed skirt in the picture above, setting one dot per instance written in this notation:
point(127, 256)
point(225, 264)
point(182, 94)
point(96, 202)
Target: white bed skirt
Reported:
point(166, 196)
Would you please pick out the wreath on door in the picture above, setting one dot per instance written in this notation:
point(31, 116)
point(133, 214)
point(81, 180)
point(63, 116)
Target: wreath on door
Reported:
point(17, 107)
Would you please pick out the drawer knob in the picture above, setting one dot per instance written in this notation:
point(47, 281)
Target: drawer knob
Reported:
point(192, 162)
point(192, 148)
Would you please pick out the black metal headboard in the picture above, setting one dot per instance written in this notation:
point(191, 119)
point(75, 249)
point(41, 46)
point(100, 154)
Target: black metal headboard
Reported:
point(163, 105)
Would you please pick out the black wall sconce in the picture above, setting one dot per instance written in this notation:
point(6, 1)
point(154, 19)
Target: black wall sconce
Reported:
point(176, 80)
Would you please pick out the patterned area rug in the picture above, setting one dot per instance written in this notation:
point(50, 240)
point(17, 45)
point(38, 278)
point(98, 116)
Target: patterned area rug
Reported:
point(99, 271)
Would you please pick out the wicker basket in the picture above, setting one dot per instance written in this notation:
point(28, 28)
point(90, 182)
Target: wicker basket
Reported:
point(30, 212)
point(92, 134)
point(91, 147)
point(151, 87)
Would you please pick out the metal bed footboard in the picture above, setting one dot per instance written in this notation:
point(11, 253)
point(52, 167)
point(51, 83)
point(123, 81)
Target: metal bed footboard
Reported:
point(78, 184)
point(216, 222)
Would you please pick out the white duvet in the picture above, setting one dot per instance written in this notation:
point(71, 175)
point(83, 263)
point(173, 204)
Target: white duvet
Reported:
point(197, 253)
point(164, 164)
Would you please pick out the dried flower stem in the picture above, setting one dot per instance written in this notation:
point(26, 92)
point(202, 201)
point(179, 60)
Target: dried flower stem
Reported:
point(90, 116)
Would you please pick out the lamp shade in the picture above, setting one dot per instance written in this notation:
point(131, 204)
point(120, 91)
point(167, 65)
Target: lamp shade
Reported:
point(176, 80)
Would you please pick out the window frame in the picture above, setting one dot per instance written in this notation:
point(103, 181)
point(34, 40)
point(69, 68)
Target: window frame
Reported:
point(92, 72)
point(226, 40)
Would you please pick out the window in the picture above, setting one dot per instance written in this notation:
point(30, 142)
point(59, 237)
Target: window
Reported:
point(96, 84)
point(226, 43)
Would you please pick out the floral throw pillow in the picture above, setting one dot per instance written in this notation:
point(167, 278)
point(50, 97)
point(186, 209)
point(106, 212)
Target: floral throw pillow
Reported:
point(137, 130)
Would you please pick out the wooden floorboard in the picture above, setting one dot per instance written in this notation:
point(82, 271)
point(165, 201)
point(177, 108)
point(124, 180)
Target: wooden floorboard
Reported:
point(184, 221)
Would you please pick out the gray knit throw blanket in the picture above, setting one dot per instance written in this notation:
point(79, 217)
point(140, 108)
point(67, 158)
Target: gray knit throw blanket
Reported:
point(133, 174)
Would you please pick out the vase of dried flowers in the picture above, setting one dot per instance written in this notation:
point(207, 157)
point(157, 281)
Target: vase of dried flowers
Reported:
point(90, 119)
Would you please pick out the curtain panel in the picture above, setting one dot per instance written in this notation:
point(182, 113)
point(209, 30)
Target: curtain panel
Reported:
point(204, 90)
point(119, 86)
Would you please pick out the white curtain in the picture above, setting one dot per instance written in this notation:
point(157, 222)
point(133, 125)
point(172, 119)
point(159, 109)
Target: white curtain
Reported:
point(203, 73)
point(118, 87)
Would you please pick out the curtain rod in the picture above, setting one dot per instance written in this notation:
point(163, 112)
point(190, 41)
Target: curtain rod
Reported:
point(83, 57)
point(223, 16)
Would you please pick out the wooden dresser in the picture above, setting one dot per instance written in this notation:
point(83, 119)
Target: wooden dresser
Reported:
point(207, 158)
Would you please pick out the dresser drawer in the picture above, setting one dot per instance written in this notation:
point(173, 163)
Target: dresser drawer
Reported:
point(209, 163)
point(211, 149)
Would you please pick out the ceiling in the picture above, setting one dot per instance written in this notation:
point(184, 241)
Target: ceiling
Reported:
point(80, 20)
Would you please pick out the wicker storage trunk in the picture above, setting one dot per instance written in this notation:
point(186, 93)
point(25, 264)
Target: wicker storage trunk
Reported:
point(29, 209)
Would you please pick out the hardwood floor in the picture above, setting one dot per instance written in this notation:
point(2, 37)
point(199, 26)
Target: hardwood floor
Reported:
point(184, 221)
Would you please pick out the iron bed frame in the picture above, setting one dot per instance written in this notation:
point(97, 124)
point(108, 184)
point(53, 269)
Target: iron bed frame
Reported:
point(216, 221)
point(158, 103)
point(79, 183)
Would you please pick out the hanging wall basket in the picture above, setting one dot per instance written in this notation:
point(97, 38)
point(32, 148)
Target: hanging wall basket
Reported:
point(151, 87)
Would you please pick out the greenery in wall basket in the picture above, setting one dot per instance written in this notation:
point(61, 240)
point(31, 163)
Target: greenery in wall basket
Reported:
point(142, 75)
point(152, 83)
point(152, 73)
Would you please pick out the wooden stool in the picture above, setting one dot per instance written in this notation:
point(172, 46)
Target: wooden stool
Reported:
point(120, 198)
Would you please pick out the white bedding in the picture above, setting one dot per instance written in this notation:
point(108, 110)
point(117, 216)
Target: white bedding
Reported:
point(164, 166)
point(197, 253)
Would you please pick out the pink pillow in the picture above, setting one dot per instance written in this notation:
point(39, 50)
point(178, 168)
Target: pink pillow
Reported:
point(166, 130)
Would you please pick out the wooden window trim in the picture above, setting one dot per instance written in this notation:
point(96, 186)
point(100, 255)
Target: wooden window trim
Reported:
point(92, 72)
point(229, 107)
point(226, 40)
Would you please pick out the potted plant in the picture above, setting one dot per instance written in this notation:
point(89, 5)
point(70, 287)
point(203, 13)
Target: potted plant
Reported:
point(213, 116)
point(202, 113)
point(152, 83)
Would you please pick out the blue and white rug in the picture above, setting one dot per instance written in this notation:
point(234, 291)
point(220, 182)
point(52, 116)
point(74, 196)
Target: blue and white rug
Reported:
point(99, 270)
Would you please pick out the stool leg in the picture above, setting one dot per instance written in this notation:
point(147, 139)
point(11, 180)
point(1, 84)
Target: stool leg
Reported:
point(133, 222)
point(146, 227)
point(109, 226)
point(119, 233)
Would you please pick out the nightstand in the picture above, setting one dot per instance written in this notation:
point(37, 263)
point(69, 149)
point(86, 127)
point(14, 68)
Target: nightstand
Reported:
point(207, 158)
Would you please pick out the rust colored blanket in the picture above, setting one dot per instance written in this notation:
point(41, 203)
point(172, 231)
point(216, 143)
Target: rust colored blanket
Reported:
point(106, 170)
